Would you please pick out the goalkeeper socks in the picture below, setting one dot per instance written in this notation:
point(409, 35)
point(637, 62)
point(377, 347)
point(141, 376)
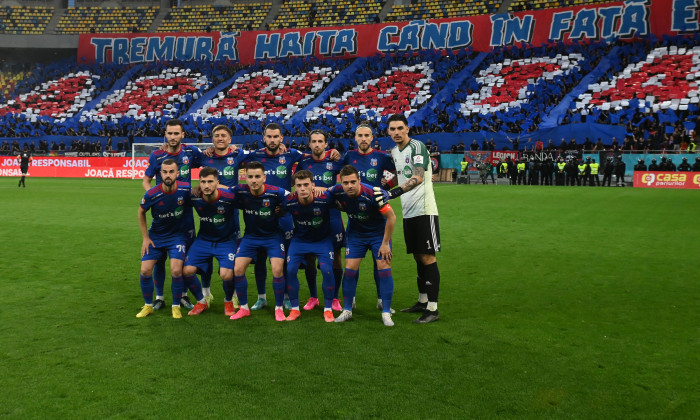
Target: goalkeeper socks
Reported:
point(420, 279)
point(147, 289)
point(349, 288)
point(432, 281)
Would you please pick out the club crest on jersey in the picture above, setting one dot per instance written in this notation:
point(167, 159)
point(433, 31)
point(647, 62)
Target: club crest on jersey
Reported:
point(221, 210)
point(229, 161)
point(282, 160)
point(180, 201)
point(329, 166)
point(408, 160)
point(185, 160)
point(373, 162)
point(317, 211)
point(266, 202)
point(363, 206)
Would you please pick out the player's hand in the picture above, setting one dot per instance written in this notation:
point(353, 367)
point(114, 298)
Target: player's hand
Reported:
point(209, 151)
point(232, 148)
point(164, 146)
point(381, 196)
point(319, 190)
point(283, 148)
point(334, 155)
point(196, 191)
point(147, 242)
point(385, 253)
point(384, 182)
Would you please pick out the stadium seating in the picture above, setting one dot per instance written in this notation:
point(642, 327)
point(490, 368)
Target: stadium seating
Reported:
point(346, 12)
point(24, 20)
point(239, 17)
point(78, 20)
point(292, 14)
point(437, 9)
point(520, 5)
point(8, 81)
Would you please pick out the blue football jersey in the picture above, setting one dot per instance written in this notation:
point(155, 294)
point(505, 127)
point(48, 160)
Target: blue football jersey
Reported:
point(259, 210)
point(312, 221)
point(218, 220)
point(278, 168)
point(363, 213)
point(227, 165)
point(168, 211)
point(325, 170)
point(187, 158)
point(370, 166)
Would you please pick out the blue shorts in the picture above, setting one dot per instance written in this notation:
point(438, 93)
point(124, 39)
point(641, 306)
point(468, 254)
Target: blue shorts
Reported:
point(338, 231)
point(357, 246)
point(250, 245)
point(201, 252)
point(286, 226)
point(298, 250)
point(170, 247)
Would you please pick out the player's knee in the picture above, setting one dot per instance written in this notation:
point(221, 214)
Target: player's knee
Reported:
point(425, 259)
point(189, 271)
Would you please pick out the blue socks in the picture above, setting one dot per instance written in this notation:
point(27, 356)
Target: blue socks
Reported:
point(147, 289)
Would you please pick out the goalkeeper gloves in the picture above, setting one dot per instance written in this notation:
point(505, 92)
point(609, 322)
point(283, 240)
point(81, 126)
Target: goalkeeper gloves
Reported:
point(383, 196)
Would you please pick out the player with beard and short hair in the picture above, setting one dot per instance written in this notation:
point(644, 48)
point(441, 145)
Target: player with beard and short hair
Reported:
point(217, 237)
point(371, 165)
point(186, 157)
point(370, 226)
point(167, 234)
point(325, 175)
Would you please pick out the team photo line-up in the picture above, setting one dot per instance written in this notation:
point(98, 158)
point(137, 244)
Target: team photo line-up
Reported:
point(291, 204)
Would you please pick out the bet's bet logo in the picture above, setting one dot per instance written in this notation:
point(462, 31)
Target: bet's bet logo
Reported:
point(281, 172)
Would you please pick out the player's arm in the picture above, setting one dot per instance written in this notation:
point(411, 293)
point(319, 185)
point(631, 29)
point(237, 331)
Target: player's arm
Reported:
point(390, 216)
point(144, 232)
point(146, 182)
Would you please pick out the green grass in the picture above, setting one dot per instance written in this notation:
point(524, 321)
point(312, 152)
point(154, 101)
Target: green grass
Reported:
point(556, 302)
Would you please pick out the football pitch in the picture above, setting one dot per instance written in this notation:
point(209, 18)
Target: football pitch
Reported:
point(556, 302)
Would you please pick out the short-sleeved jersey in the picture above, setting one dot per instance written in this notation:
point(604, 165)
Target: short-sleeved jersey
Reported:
point(24, 158)
point(187, 158)
point(325, 170)
point(218, 220)
point(371, 166)
point(364, 217)
point(278, 168)
point(259, 210)
point(312, 221)
point(419, 201)
point(168, 211)
point(227, 165)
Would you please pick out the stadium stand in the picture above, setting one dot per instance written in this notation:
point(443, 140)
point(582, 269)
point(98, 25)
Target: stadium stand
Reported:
point(522, 5)
point(238, 17)
point(9, 81)
point(77, 20)
point(292, 14)
point(346, 12)
point(24, 20)
point(437, 9)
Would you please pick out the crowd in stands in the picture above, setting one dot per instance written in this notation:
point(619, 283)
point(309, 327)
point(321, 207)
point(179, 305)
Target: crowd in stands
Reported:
point(80, 20)
point(523, 5)
point(201, 18)
point(307, 94)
